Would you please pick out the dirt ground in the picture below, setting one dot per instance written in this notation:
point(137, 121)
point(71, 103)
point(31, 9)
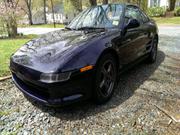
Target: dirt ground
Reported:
point(147, 101)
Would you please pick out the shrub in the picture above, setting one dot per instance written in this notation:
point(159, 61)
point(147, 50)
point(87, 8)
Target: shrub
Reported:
point(177, 11)
point(156, 11)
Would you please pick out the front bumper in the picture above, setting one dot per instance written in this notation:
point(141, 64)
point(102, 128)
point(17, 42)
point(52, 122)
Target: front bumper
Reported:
point(79, 87)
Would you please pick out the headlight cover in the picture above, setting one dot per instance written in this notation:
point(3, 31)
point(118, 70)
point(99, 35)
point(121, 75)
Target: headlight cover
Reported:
point(52, 78)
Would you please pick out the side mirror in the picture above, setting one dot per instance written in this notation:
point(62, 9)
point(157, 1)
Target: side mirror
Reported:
point(133, 23)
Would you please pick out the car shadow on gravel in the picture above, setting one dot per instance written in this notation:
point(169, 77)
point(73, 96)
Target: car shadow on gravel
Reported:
point(129, 82)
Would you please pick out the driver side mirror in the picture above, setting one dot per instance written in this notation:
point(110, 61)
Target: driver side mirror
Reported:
point(132, 23)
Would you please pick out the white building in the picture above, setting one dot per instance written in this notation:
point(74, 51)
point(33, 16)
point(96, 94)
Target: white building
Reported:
point(161, 3)
point(37, 18)
point(158, 3)
point(177, 3)
point(59, 16)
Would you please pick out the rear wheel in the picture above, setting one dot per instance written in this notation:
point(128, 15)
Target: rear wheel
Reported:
point(153, 54)
point(105, 79)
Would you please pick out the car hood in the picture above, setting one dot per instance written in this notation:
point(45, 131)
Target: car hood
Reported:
point(52, 50)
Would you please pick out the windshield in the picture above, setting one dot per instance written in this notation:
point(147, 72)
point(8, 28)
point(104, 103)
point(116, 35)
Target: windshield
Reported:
point(105, 16)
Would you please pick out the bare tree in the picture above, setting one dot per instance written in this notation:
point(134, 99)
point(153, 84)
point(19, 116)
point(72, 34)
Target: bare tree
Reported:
point(105, 1)
point(138, 2)
point(45, 19)
point(93, 2)
point(29, 10)
point(77, 4)
point(52, 6)
point(172, 4)
point(9, 13)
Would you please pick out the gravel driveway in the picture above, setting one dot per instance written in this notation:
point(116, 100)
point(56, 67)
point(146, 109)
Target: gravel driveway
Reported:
point(147, 101)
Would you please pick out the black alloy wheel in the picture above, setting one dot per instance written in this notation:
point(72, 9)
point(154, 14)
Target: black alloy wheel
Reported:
point(153, 54)
point(105, 79)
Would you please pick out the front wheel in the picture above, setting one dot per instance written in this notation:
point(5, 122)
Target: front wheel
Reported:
point(153, 54)
point(105, 79)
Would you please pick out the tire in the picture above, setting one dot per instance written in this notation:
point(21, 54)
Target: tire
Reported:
point(153, 54)
point(105, 79)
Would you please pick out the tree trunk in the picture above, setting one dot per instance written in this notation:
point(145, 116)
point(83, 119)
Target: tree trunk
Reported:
point(93, 2)
point(52, 6)
point(80, 5)
point(12, 28)
point(172, 4)
point(11, 23)
point(139, 3)
point(30, 17)
point(29, 13)
point(105, 1)
point(77, 4)
point(45, 19)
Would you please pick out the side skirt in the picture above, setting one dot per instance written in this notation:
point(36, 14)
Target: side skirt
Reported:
point(131, 65)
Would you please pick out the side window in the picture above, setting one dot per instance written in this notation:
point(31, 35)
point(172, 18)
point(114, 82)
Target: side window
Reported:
point(133, 13)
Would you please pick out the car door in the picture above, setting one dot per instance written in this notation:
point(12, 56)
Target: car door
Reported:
point(147, 27)
point(133, 40)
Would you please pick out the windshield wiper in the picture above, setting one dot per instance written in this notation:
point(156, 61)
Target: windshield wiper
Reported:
point(91, 28)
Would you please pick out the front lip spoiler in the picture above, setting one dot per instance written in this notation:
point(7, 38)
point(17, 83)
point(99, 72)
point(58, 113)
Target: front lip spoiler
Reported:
point(51, 102)
point(25, 92)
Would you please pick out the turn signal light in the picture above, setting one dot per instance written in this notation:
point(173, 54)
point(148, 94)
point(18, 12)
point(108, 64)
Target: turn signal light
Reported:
point(86, 68)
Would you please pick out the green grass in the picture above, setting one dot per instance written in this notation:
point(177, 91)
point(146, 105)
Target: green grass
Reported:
point(7, 47)
point(43, 26)
point(167, 21)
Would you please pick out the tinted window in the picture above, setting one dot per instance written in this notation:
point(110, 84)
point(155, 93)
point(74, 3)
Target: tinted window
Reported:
point(133, 13)
point(98, 17)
